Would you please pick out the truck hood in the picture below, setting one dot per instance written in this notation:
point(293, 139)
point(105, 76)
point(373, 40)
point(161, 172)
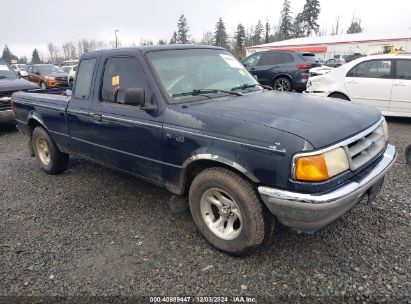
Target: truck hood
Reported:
point(319, 120)
point(17, 84)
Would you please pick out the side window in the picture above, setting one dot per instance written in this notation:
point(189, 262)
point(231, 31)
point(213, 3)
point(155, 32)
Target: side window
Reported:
point(84, 77)
point(270, 59)
point(403, 69)
point(35, 69)
point(372, 69)
point(30, 69)
point(120, 74)
point(252, 60)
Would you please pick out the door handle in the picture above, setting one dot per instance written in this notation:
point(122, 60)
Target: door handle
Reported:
point(96, 117)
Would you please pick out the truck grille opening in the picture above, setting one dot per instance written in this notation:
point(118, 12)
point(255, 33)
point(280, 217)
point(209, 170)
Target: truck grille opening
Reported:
point(366, 148)
point(5, 98)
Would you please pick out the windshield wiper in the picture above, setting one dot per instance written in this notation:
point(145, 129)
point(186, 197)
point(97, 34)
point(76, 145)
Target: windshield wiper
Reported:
point(205, 91)
point(247, 86)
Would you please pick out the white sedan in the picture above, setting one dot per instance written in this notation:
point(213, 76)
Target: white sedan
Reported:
point(382, 81)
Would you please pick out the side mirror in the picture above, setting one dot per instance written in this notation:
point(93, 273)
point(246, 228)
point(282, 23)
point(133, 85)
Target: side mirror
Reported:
point(23, 73)
point(134, 97)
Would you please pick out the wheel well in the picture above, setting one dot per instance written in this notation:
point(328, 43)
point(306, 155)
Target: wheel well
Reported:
point(196, 167)
point(283, 76)
point(32, 124)
point(339, 94)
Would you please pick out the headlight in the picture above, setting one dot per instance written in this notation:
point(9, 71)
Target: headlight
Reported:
point(49, 77)
point(320, 167)
point(385, 125)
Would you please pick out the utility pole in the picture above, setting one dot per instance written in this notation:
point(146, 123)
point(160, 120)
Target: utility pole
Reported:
point(115, 33)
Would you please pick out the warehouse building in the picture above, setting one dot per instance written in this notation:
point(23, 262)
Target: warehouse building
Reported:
point(326, 47)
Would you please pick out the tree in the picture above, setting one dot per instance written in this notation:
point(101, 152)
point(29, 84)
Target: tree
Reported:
point(335, 30)
point(35, 58)
point(310, 15)
point(207, 39)
point(355, 26)
point(161, 42)
point(267, 32)
point(220, 35)
point(298, 26)
point(286, 24)
point(22, 60)
point(239, 40)
point(8, 56)
point(258, 32)
point(182, 30)
point(174, 38)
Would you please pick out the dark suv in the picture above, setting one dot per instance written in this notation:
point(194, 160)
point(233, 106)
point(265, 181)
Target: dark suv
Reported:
point(284, 71)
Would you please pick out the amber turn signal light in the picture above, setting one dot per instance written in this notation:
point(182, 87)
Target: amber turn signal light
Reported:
point(311, 168)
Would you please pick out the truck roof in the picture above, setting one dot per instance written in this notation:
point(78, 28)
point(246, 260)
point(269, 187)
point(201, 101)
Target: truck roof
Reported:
point(151, 48)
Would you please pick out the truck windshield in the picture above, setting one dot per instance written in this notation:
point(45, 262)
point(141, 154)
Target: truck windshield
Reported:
point(198, 70)
point(6, 72)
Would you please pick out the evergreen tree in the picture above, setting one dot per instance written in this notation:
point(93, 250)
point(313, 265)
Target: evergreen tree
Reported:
point(174, 38)
point(258, 32)
point(35, 58)
point(239, 40)
point(267, 32)
point(182, 31)
point(161, 42)
point(310, 16)
point(298, 26)
point(355, 26)
point(8, 55)
point(286, 24)
point(220, 34)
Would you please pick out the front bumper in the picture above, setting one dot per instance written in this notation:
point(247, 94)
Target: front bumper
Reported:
point(6, 116)
point(311, 212)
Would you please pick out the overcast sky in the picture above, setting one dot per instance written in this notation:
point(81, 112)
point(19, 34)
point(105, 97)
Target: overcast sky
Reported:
point(26, 25)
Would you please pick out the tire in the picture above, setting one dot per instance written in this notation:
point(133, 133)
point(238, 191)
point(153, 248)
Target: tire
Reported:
point(283, 84)
point(71, 83)
point(43, 85)
point(339, 96)
point(47, 153)
point(251, 223)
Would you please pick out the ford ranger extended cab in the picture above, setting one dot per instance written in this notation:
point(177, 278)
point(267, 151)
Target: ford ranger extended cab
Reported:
point(193, 120)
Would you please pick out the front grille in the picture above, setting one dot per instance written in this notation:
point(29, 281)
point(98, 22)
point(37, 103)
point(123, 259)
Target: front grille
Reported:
point(366, 148)
point(61, 78)
point(5, 100)
point(6, 94)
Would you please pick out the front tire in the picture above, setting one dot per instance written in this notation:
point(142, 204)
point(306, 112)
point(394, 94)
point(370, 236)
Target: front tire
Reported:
point(283, 84)
point(43, 85)
point(228, 212)
point(47, 153)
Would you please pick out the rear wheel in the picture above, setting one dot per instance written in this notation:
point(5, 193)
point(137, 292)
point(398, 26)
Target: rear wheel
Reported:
point(339, 96)
point(228, 212)
point(283, 84)
point(47, 153)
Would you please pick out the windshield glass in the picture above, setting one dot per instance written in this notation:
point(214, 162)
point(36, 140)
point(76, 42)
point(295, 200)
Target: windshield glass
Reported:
point(50, 69)
point(6, 72)
point(185, 71)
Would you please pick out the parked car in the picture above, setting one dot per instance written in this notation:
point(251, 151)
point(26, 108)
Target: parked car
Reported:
point(335, 62)
point(66, 68)
point(47, 76)
point(380, 81)
point(193, 120)
point(283, 71)
point(19, 67)
point(72, 75)
point(354, 56)
point(10, 83)
point(320, 70)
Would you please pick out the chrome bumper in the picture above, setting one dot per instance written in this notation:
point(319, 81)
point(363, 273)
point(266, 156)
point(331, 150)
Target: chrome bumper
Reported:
point(6, 116)
point(311, 212)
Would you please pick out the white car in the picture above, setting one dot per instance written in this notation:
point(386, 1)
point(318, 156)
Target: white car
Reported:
point(381, 81)
point(72, 75)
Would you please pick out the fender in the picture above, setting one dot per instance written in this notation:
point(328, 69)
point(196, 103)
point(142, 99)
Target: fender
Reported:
point(197, 158)
point(34, 116)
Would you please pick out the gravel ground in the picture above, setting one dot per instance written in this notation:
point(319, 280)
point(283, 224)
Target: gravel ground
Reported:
point(92, 231)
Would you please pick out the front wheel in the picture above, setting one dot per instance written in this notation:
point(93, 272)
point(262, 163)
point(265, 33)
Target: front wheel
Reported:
point(228, 212)
point(47, 153)
point(43, 85)
point(283, 84)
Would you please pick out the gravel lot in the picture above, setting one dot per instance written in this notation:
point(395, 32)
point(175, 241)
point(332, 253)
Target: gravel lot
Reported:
point(93, 231)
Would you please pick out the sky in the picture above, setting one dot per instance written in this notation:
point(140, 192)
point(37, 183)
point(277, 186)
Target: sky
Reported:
point(32, 24)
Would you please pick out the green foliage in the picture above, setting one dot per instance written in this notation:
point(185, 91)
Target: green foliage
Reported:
point(298, 26)
point(355, 26)
point(267, 32)
point(8, 56)
point(182, 30)
point(174, 38)
point(220, 34)
point(258, 33)
point(35, 58)
point(286, 24)
point(310, 15)
point(239, 40)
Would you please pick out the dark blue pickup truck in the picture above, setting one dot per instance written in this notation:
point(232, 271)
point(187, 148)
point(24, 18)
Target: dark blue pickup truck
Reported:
point(193, 120)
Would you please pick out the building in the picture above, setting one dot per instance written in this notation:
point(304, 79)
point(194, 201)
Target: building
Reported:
point(326, 47)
